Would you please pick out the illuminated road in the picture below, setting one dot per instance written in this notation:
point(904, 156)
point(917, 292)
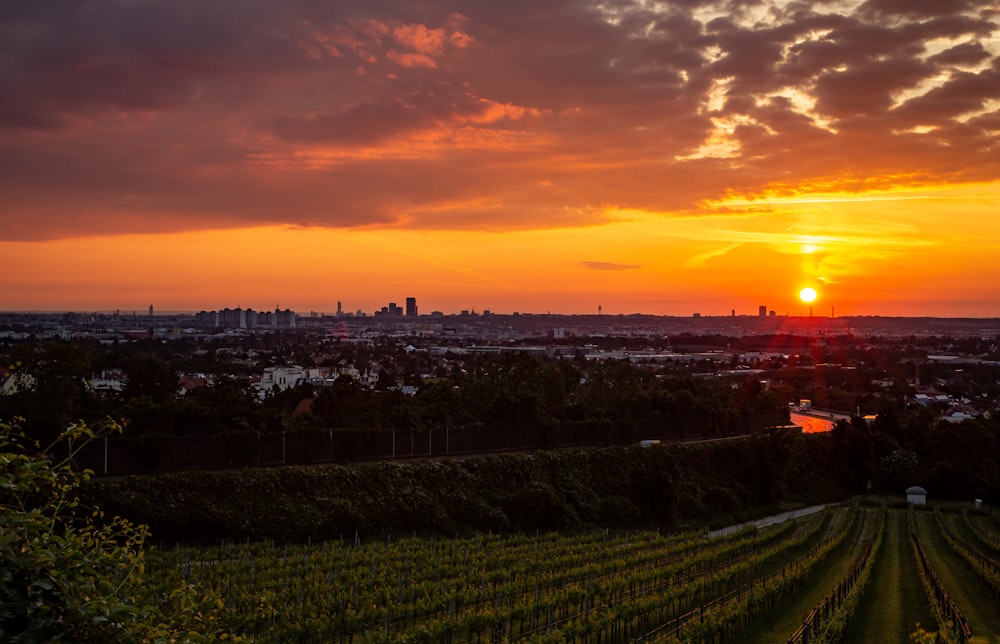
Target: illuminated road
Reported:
point(812, 424)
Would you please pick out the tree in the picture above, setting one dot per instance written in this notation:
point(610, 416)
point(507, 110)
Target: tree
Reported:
point(852, 441)
point(53, 387)
point(67, 574)
point(150, 377)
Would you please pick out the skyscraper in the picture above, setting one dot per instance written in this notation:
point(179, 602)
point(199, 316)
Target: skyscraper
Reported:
point(411, 307)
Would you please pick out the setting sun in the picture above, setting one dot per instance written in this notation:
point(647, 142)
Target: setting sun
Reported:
point(807, 294)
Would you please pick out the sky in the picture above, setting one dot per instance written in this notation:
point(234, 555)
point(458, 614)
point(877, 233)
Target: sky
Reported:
point(667, 158)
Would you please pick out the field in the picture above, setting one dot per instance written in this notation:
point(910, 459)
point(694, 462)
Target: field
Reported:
point(856, 573)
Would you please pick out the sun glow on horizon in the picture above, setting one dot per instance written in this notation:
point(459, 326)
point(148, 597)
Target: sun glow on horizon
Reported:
point(808, 295)
point(631, 259)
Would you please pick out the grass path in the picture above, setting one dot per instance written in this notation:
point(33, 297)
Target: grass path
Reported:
point(969, 593)
point(894, 602)
point(782, 620)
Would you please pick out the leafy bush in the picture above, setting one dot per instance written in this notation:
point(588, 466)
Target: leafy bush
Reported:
point(68, 574)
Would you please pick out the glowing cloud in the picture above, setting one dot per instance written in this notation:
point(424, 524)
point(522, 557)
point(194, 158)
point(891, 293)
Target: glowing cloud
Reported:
point(729, 150)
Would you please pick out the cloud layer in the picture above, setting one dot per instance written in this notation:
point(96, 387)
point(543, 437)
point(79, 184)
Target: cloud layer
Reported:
point(121, 117)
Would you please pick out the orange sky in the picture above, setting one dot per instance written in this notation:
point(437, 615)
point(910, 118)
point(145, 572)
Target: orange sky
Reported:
point(551, 155)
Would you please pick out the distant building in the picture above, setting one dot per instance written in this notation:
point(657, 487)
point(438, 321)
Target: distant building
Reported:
point(284, 318)
point(762, 311)
point(411, 307)
point(393, 310)
point(109, 384)
point(232, 318)
point(206, 319)
point(280, 378)
point(240, 318)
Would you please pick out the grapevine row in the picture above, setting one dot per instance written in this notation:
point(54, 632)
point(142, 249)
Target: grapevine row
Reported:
point(591, 587)
point(987, 538)
point(657, 613)
point(575, 613)
point(723, 617)
point(951, 622)
point(827, 620)
point(638, 618)
point(985, 567)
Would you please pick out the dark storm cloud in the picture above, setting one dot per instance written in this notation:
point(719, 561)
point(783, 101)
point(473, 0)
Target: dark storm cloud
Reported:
point(964, 54)
point(918, 8)
point(87, 58)
point(142, 116)
point(867, 90)
point(963, 94)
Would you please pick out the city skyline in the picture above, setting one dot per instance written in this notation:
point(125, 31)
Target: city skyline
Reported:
point(761, 312)
point(553, 156)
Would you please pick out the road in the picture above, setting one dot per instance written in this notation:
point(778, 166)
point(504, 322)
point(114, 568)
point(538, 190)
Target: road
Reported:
point(766, 521)
point(815, 421)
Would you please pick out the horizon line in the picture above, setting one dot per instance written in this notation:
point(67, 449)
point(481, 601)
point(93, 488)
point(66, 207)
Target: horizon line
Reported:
point(143, 313)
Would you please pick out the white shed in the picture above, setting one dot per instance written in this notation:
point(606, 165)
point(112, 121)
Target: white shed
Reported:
point(916, 495)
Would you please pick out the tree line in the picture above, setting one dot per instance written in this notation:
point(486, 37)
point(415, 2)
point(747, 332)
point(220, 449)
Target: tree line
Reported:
point(904, 445)
point(492, 390)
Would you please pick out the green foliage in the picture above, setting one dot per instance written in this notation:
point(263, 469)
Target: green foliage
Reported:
point(51, 387)
point(67, 574)
point(946, 613)
point(920, 636)
point(492, 391)
point(663, 486)
point(857, 582)
point(538, 505)
point(726, 615)
point(546, 587)
point(897, 470)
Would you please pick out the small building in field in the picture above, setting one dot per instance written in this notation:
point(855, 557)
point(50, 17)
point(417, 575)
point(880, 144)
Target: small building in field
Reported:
point(916, 495)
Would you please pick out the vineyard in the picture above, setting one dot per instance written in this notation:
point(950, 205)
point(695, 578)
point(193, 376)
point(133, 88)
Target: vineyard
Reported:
point(814, 579)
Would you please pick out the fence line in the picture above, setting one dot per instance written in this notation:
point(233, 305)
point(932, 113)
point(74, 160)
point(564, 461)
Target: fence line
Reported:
point(249, 448)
